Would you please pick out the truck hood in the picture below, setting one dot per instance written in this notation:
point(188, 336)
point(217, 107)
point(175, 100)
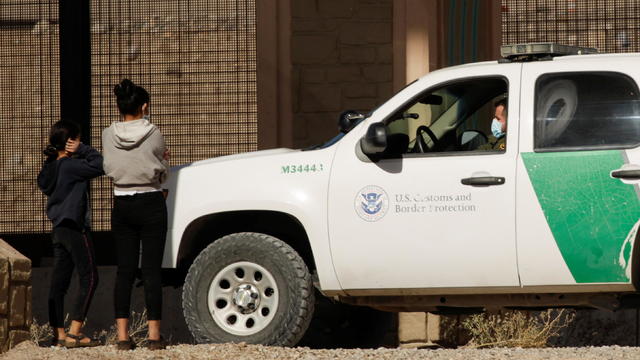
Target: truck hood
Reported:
point(242, 156)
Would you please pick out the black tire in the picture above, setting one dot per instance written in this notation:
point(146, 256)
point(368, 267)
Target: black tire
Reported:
point(295, 301)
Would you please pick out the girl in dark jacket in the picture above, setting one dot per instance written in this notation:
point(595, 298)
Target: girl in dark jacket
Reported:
point(64, 178)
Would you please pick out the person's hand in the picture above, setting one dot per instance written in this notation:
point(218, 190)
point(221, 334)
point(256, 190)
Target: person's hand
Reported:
point(72, 146)
point(166, 155)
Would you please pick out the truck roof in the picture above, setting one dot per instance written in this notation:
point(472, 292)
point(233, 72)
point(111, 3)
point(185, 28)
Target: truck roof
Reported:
point(585, 57)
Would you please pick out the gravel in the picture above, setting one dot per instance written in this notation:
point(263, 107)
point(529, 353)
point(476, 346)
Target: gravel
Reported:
point(29, 351)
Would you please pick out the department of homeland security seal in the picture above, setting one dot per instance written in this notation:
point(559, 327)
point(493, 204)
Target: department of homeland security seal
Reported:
point(371, 203)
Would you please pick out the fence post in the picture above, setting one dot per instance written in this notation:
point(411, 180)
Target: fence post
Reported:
point(75, 64)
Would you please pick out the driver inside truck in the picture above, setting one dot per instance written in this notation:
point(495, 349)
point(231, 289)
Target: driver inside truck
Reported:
point(498, 139)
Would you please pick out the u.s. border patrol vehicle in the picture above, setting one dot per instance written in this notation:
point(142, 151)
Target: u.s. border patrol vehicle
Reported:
point(413, 207)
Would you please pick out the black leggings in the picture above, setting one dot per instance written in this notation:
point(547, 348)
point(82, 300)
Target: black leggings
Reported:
point(71, 248)
point(135, 219)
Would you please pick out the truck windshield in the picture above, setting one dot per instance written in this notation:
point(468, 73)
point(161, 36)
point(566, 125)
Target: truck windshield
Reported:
point(334, 139)
point(337, 138)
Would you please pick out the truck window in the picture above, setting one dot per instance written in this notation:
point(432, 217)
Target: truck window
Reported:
point(451, 114)
point(584, 111)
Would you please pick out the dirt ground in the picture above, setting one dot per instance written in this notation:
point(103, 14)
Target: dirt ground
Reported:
point(28, 351)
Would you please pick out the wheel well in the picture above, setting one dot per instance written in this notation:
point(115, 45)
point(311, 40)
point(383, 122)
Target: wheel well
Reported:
point(207, 229)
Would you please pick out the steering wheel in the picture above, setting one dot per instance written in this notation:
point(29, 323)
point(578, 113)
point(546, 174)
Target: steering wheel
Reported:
point(421, 145)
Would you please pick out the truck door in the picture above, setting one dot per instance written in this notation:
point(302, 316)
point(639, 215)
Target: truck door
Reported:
point(437, 209)
point(580, 125)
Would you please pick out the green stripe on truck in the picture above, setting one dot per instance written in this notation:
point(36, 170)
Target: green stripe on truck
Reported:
point(589, 213)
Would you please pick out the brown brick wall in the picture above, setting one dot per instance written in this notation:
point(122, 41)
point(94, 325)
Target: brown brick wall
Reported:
point(15, 297)
point(342, 59)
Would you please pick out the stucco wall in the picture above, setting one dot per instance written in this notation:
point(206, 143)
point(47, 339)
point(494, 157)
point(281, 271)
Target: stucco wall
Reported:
point(342, 55)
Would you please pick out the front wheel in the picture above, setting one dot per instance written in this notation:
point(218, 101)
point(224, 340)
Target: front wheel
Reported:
point(248, 287)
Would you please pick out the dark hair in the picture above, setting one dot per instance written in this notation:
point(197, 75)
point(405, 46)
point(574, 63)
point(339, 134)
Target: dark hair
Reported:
point(130, 97)
point(60, 132)
point(501, 102)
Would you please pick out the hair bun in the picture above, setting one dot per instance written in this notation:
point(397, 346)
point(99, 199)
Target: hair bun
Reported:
point(50, 150)
point(125, 88)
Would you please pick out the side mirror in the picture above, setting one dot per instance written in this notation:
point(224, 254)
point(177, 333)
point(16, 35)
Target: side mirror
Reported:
point(375, 140)
point(348, 120)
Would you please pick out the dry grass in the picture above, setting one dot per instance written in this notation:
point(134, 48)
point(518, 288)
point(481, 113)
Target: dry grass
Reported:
point(137, 329)
point(516, 328)
point(40, 333)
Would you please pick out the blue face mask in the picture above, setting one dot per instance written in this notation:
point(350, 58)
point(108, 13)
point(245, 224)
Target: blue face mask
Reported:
point(496, 128)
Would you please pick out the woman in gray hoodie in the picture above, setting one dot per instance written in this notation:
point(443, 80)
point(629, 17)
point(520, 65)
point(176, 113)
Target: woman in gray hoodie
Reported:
point(136, 159)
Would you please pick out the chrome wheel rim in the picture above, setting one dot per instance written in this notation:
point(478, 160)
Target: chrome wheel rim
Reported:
point(243, 298)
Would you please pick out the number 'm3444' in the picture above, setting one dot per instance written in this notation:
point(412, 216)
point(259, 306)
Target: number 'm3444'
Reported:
point(302, 168)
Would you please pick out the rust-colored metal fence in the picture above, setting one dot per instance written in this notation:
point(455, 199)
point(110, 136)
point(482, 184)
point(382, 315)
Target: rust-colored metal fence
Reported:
point(197, 59)
point(608, 25)
point(29, 104)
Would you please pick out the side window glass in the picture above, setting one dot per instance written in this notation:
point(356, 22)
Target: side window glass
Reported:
point(454, 117)
point(583, 111)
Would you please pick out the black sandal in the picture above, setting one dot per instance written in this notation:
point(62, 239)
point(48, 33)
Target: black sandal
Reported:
point(159, 344)
point(55, 342)
point(125, 345)
point(77, 343)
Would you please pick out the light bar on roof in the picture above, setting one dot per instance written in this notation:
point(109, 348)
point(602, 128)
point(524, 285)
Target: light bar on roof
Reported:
point(537, 50)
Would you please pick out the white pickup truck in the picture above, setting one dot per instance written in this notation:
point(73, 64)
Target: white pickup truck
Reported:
point(416, 206)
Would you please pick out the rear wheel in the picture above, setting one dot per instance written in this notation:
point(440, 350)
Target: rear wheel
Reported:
point(248, 287)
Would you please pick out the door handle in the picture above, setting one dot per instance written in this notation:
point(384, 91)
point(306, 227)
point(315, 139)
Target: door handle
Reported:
point(483, 181)
point(626, 174)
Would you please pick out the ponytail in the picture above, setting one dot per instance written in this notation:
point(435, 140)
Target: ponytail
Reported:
point(60, 132)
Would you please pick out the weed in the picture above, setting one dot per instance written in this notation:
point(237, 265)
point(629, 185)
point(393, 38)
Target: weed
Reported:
point(516, 328)
point(137, 329)
point(40, 333)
